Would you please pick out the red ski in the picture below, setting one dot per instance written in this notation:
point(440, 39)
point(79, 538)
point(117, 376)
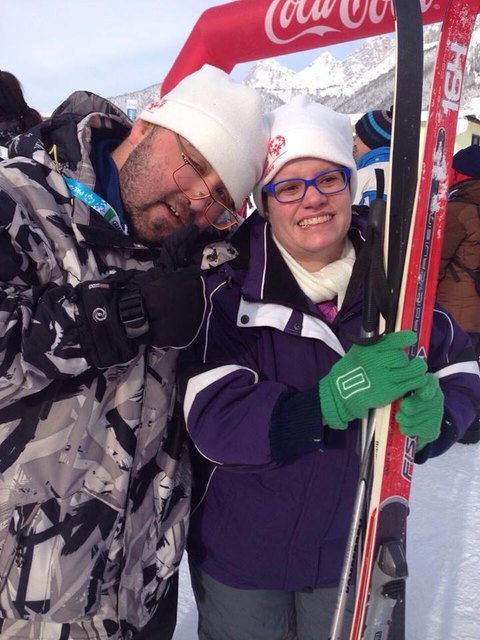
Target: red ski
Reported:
point(383, 566)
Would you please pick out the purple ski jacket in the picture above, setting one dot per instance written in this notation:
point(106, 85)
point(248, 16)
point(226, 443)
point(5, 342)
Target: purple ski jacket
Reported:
point(257, 524)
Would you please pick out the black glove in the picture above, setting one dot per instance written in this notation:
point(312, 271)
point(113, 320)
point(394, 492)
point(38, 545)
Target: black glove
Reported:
point(130, 308)
point(177, 249)
point(173, 303)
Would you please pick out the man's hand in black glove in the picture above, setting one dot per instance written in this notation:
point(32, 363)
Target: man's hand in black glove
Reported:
point(173, 306)
point(157, 307)
point(177, 249)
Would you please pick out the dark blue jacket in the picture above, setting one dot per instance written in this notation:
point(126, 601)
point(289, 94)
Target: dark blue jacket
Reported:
point(257, 524)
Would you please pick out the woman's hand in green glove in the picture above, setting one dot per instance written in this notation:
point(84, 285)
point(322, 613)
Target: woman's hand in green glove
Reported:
point(421, 413)
point(370, 376)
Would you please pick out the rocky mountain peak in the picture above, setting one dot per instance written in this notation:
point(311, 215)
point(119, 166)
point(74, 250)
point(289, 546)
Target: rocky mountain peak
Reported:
point(362, 81)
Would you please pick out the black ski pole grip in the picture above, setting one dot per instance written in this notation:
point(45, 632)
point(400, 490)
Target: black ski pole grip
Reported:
point(376, 223)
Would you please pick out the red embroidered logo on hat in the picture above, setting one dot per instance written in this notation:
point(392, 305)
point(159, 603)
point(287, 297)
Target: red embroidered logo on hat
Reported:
point(276, 148)
point(155, 104)
point(276, 145)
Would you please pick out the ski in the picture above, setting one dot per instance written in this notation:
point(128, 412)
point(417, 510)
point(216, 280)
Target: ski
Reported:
point(406, 119)
point(380, 597)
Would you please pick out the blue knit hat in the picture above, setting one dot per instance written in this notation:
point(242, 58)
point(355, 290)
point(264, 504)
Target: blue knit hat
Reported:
point(467, 161)
point(375, 128)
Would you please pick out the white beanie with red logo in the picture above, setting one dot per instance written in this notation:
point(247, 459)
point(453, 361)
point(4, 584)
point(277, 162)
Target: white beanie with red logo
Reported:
point(223, 120)
point(306, 129)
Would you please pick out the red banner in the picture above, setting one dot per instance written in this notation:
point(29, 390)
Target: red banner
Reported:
point(254, 29)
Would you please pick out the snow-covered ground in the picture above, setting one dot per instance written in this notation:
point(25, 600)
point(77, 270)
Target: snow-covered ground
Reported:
point(443, 590)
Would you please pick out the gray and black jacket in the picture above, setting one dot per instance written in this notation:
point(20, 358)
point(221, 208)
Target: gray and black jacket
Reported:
point(94, 480)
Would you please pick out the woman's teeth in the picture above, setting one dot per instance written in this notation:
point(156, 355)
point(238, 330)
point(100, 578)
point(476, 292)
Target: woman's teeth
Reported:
point(307, 222)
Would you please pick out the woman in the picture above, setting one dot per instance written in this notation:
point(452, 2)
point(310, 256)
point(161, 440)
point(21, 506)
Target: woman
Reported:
point(270, 405)
point(15, 115)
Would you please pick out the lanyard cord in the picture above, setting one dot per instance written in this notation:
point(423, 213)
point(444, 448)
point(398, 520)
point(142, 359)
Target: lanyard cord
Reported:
point(93, 200)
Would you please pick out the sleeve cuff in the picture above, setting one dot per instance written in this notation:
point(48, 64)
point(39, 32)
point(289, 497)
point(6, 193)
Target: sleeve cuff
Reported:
point(448, 436)
point(296, 427)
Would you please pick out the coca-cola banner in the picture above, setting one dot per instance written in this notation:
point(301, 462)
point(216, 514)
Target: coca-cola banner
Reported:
point(255, 29)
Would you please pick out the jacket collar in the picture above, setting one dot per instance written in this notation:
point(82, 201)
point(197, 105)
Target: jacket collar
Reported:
point(467, 190)
point(380, 154)
point(264, 275)
point(65, 145)
point(305, 325)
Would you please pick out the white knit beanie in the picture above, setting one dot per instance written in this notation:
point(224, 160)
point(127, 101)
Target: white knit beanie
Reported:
point(223, 120)
point(306, 129)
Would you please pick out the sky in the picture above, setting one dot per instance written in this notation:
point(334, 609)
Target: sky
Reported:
point(110, 47)
point(443, 552)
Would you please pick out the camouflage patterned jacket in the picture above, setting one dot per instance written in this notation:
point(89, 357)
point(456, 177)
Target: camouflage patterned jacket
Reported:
point(94, 481)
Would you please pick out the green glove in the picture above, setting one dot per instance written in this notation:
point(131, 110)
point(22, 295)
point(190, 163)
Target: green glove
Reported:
point(370, 376)
point(421, 413)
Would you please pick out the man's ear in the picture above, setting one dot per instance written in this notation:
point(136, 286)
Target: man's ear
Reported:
point(139, 130)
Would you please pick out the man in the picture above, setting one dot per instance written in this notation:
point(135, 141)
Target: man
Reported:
point(96, 220)
point(371, 150)
point(459, 274)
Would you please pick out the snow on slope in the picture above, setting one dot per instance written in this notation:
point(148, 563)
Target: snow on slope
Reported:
point(444, 547)
point(443, 590)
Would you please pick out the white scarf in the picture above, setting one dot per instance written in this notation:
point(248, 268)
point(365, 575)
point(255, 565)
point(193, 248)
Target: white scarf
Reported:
point(330, 282)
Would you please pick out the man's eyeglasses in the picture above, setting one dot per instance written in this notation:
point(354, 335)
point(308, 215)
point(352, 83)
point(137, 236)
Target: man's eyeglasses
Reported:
point(327, 182)
point(191, 183)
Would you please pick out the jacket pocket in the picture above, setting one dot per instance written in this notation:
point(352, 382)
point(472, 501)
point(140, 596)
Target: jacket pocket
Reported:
point(55, 558)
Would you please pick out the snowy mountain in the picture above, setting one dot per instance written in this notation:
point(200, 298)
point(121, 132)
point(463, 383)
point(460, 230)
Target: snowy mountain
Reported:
point(328, 80)
point(140, 98)
point(362, 81)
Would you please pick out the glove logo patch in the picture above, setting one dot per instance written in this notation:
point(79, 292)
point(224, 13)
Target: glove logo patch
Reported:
point(352, 382)
point(99, 314)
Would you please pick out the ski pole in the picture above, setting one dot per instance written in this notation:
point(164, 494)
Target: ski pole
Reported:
point(372, 301)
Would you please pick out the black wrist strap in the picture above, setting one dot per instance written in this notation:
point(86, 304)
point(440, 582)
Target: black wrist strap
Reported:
point(132, 313)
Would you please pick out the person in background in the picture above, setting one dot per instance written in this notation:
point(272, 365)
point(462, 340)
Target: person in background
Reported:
point(459, 274)
point(273, 391)
point(15, 115)
point(98, 219)
point(371, 150)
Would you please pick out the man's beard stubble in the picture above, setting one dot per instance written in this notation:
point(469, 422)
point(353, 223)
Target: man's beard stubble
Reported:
point(135, 168)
